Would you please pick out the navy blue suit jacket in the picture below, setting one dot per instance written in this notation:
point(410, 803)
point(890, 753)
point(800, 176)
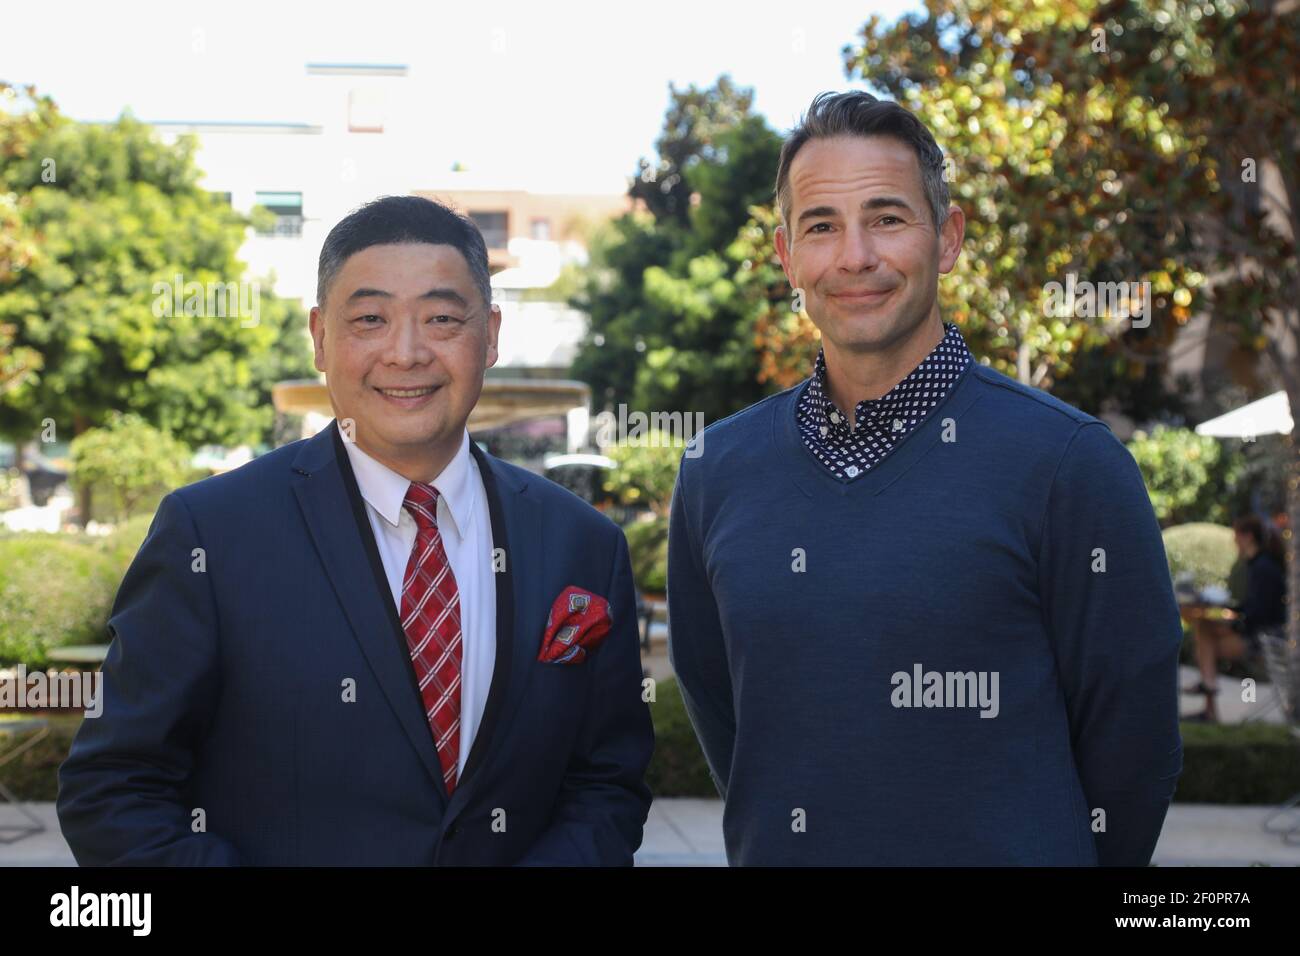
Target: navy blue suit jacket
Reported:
point(226, 737)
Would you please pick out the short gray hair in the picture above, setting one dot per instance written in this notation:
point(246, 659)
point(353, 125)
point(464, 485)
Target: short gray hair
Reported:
point(856, 113)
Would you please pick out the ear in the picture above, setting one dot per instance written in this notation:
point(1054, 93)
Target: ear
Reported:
point(317, 324)
point(951, 234)
point(781, 240)
point(493, 330)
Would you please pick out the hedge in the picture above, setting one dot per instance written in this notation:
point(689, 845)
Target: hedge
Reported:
point(55, 590)
point(647, 545)
point(1206, 552)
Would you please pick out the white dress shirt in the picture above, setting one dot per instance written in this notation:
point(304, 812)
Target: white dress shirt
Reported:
point(466, 530)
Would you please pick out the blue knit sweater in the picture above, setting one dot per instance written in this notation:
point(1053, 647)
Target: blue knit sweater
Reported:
point(967, 655)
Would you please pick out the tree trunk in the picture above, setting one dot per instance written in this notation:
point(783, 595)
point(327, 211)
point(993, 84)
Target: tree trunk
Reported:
point(24, 484)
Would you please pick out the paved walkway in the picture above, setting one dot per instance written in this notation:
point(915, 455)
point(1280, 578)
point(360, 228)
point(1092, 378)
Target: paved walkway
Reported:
point(688, 832)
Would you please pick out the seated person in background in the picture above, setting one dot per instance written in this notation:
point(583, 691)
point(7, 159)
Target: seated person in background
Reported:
point(1261, 609)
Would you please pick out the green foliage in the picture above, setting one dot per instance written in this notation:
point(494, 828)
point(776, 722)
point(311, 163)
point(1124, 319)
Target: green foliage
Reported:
point(121, 546)
point(1188, 476)
point(695, 119)
point(129, 464)
point(113, 211)
point(647, 544)
point(645, 472)
point(1205, 552)
point(54, 591)
point(1254, 763)
point(678, 767)
point(739, 174)
point(671, 328)
point(1057, 173)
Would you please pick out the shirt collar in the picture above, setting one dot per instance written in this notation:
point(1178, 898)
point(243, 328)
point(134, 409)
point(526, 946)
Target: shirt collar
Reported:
point(385, 489)
point(821, 398)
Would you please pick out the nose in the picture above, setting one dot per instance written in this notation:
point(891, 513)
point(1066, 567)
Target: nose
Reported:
point(856, 251)
point(406, 345)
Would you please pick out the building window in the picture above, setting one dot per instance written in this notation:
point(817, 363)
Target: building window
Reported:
point(493, 226)
point(287, 208)
point(540, 229)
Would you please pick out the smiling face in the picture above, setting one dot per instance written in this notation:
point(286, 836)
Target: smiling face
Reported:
point(404, 338)
point(860, 242)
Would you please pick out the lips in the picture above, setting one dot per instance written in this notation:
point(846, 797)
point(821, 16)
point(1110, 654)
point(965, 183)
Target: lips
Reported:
point(417, 392)
point(860, 293)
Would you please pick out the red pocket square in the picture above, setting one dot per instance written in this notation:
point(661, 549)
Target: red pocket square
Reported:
point(578, 622)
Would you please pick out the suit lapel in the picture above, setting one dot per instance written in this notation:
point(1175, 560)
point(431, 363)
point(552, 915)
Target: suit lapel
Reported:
point(336, 518)
point(517, 533)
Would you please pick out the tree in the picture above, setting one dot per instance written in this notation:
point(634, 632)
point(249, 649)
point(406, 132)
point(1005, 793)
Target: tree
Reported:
point(1189, 477)
point(132, 463)
point(694, 120)
point(1222, 77)
point(669, 325)
point(119, 215)
point(17, 241)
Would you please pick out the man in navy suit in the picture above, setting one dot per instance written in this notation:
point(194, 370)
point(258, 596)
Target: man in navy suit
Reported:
point(378, 645)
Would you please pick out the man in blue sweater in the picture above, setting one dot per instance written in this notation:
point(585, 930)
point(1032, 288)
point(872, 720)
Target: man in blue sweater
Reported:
point(919, 613)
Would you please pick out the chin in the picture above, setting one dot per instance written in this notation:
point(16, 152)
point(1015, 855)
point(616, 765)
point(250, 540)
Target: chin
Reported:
point(860, 334)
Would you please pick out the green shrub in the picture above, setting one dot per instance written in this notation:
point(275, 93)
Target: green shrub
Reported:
point(647, 545)
point(1189, 477)
point(646, 471)
point(1238, 764)
point(678, 767)
point(54, 591)
point(129, 465)
point(1205, 551)
point(125, 540)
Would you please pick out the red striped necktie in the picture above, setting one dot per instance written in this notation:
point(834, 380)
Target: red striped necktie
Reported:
point(431, 620)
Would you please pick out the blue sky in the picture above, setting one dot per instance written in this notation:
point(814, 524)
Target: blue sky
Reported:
point(576, 91)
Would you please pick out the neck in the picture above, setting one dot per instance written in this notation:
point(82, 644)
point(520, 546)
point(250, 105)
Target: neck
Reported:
point(422, 465)
point(856, 376)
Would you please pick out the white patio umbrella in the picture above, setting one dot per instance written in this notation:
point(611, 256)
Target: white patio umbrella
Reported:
point(1268, 416)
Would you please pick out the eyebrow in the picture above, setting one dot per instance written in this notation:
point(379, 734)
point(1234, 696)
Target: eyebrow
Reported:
point(440, 293)
point(876, 202)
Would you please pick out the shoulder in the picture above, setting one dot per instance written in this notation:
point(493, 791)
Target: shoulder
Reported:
point(1029, 403)
point(1043, 425)
point(556, 501)
point(245, 487)
point(739, 440)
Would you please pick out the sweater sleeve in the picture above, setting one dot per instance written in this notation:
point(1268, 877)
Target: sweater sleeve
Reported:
point(695, 643)
point(1113, 622)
